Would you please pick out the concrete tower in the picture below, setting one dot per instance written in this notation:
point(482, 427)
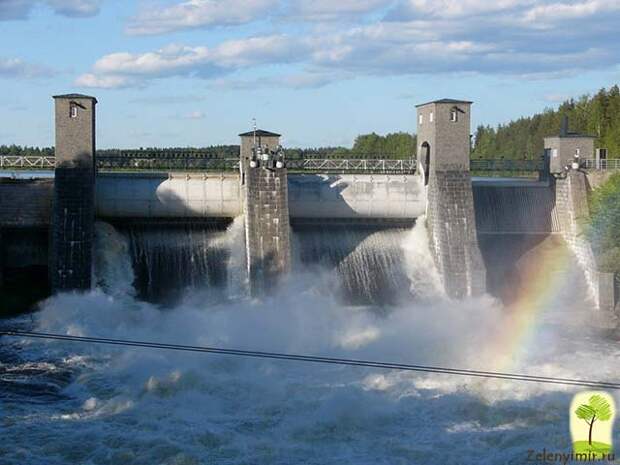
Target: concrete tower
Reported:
point(74, 193)
point(265, 191)
point(561, 150)
point(443, 131)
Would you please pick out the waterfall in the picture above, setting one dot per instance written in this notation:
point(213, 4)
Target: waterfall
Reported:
point(168, 260)
point(425, 281)
point(236, 271)
point(370, 265)
point(363, 265)
point(113, 270)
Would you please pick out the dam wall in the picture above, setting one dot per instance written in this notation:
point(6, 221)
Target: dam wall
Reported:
point(515, 207)
point(168, 195)
point(356, 196)
point(25, 203)
point(25, 212)
point(310, 196)
point(458, 209)
point(573, 211)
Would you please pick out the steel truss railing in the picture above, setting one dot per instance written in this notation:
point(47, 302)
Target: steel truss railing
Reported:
point(166, 163)
point(593, 164)
point(13, 162)
point(327, 165)
point(507, 165)
point(139, 160)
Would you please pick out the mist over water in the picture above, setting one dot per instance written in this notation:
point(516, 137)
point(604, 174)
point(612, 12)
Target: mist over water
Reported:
point(77, 403)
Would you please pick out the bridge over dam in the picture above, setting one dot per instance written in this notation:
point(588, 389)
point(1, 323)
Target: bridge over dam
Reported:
point(49, 209)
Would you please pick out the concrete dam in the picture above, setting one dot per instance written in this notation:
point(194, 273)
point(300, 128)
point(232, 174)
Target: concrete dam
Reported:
point(219, 195)
point(283, 214)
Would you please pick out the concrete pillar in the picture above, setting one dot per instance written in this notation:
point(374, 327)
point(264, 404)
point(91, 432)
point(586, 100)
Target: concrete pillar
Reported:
point(265, 191)
point(443, 130)
point(74, 193)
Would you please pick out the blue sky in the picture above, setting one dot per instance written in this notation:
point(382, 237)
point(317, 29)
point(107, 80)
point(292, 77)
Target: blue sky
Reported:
point(195, 72)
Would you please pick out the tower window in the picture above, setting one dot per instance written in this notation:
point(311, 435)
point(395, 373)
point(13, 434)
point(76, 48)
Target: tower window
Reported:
point(454, 115)
point(431, 117)
point(73, 111)
point(421, 119)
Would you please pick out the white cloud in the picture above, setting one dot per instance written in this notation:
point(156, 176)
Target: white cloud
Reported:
point(524, 12)
point(555, 98)
point(15, 9)
point(20, 9)
point(527, 38)
point(75, 8)
point(192, 14)
point(194, 115)
point(168, 99)
point(17, 68)
point(559, 11)
point(299, 80)
point(425, 9)
point(330, 10)
point(123, 69)
point(103, 82)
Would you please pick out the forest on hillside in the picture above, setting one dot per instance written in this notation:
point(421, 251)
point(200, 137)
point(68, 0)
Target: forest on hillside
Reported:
point(597, 115)
point(396, 145)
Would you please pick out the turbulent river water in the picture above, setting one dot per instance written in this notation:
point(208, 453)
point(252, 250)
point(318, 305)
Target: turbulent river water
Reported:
point(68, 403)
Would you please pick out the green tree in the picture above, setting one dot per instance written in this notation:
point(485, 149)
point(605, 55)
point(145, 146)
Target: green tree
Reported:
point(603, 228)
point(598, 115)
point(597, 408)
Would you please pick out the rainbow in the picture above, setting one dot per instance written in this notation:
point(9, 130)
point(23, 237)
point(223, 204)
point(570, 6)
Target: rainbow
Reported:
point(540, 283)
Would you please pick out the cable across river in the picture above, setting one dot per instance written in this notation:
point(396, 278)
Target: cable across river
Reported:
point(317, 359)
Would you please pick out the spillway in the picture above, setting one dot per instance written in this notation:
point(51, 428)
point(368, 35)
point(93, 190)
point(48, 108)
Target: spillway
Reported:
point(363, 264)
point(107, 404)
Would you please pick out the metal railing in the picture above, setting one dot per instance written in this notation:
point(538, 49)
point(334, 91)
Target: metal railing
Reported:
point(151, 160)
point(21, 162)
point(593, 164)
point(172, 162)
point(327, 165)
point(507, 165)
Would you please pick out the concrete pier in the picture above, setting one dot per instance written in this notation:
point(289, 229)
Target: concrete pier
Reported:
point(444, 152)
point(73, 212)
point(266, 213)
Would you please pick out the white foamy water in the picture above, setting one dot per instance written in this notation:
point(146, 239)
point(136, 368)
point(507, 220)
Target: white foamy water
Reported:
point(87, 404)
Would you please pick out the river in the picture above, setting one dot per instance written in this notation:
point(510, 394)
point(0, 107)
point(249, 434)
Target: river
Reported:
point(74, 403)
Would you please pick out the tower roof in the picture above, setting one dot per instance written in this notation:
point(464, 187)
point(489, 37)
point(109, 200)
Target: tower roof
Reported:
point(75, 96)
point(259, 133)
point(445, 100)
point(575, 135)
point(565, 132)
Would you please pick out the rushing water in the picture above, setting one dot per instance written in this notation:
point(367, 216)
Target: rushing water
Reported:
point(66, 403)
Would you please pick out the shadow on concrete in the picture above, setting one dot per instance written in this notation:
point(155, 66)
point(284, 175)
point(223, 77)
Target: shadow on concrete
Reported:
point(503, 256)
point(365, 254)
point(24, 278)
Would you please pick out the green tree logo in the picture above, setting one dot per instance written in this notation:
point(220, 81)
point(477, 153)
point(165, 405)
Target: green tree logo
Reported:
point(593, 409)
